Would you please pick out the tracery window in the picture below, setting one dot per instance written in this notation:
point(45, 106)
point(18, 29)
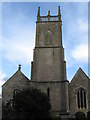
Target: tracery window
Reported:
point(81, 98)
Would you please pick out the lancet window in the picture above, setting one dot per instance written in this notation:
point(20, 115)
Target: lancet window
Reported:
point(16, 91)
point(48, 92)
point(81, 98)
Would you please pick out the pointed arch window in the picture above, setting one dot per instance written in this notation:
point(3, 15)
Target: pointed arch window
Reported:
point(48, 92)
point(16, 91)
point(81, 98)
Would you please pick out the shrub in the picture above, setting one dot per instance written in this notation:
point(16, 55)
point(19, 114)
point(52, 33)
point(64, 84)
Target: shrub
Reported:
point(80, 116)
point(29, 104)
point(88, 115)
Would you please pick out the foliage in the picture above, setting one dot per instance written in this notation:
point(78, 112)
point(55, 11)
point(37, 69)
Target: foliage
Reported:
point(80, 116)
point(30, 104)
point(8, 112)
point(58, 118)
point(88, 115)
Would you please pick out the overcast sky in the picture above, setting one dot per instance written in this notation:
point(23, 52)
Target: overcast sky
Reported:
point(18, 35)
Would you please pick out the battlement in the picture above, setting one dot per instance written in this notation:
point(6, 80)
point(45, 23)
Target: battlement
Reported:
point(46, 18)
point(49, 18)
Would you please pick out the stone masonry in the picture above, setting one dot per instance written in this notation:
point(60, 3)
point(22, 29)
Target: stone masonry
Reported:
point(49, 66)
point(48, 72)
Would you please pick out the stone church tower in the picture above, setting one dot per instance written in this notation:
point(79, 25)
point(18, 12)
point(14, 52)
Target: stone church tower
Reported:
point(48, 72)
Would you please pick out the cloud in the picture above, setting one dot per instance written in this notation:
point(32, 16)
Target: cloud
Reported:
point(80, 53)
point(82, 25)
point(45, 1)
point(19, 48)
point(2, 80)
point(18, 38)
point(78, 30)
point(76, 43)
point(76, 38)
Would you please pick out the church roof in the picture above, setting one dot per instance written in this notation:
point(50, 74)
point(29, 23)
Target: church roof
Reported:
point(79, 73)
point(18, 75)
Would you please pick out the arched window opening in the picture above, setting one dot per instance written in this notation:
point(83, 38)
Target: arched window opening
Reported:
point(81, 98)
point(78, 99)
point(81, 95)
point(48, 92)
point(16, 91)
point(84, 99)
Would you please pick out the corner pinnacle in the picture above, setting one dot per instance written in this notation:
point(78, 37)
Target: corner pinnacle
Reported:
point(19, 67)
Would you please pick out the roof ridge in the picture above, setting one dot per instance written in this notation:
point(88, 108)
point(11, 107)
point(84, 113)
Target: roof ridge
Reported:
point(14, 75)
point(77, 72)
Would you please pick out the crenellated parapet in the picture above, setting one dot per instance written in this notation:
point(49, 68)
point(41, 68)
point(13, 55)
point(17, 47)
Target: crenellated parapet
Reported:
point(49, 18)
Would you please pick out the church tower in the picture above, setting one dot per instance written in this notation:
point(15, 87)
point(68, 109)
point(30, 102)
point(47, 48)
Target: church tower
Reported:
point(48, 71)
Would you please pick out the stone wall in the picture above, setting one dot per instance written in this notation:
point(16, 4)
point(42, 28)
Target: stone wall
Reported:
point(48, 34)
point(48, 64)
point(17, 82)
point(89, 95)
point(54, 94)
point(79, 80)
point(48, 59)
